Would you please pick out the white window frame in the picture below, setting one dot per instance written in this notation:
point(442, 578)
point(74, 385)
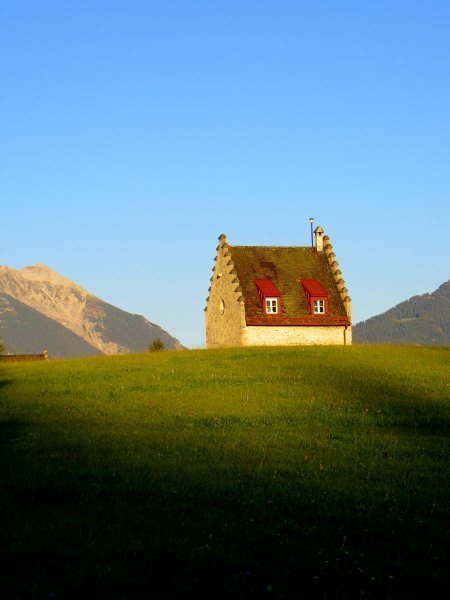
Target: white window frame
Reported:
point(271, 306)
point(319, 307)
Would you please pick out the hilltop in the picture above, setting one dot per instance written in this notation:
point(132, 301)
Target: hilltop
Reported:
point(423, 320)
point(39, 308)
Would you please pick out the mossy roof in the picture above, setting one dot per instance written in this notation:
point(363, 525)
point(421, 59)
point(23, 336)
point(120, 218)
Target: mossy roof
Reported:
point(286, 266)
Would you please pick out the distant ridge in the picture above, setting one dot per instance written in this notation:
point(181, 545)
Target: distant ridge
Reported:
point(421, 320)
point(40, 308)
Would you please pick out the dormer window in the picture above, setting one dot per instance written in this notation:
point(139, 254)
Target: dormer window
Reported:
point(317, 297)
point(319, 307)
point(272, 306)
point(269, 296)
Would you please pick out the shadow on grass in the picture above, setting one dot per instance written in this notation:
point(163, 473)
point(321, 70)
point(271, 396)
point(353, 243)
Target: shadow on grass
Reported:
point(10, 431)
point(416, 410)
point(82, 520)
point(79, 527)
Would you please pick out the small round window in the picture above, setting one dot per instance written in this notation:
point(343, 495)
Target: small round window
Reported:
point(222, 307)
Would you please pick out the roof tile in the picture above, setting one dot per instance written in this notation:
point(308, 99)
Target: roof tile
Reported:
point(285, 266)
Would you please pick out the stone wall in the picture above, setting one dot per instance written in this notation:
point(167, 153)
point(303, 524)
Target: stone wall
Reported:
point(224, 313)
point(296, 336)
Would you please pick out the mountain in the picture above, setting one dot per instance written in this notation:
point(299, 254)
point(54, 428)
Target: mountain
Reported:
point(40, 308)
point(26, 331)
point(422, 319)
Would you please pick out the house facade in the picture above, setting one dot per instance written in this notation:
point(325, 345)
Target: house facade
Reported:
point(273, 296)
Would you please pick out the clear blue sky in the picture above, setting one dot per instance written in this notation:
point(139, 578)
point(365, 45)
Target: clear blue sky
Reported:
point(134, 133)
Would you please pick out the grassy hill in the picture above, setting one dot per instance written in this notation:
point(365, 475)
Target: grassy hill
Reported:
point(248, 473)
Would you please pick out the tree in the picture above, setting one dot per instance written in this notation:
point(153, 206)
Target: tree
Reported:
point(2, 346)
point(156, 346)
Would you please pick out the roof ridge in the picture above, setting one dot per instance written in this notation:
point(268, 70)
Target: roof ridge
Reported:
point(255, 246)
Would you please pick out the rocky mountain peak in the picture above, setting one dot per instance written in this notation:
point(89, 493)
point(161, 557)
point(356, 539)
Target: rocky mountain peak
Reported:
point(38, 272)
point(103, 326)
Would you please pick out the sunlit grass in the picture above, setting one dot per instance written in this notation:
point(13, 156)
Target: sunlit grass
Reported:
point(241, 473)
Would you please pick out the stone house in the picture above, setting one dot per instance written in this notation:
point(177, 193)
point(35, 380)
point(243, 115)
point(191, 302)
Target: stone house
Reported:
point(273, 296)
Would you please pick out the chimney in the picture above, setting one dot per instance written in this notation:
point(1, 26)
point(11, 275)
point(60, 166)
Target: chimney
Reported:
point(318, 233)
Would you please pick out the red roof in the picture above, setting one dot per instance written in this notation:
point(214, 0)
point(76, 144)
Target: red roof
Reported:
point(267, 288)
point(313, 288)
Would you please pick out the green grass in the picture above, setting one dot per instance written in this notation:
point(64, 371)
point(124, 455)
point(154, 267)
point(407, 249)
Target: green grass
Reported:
point(246, 473)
